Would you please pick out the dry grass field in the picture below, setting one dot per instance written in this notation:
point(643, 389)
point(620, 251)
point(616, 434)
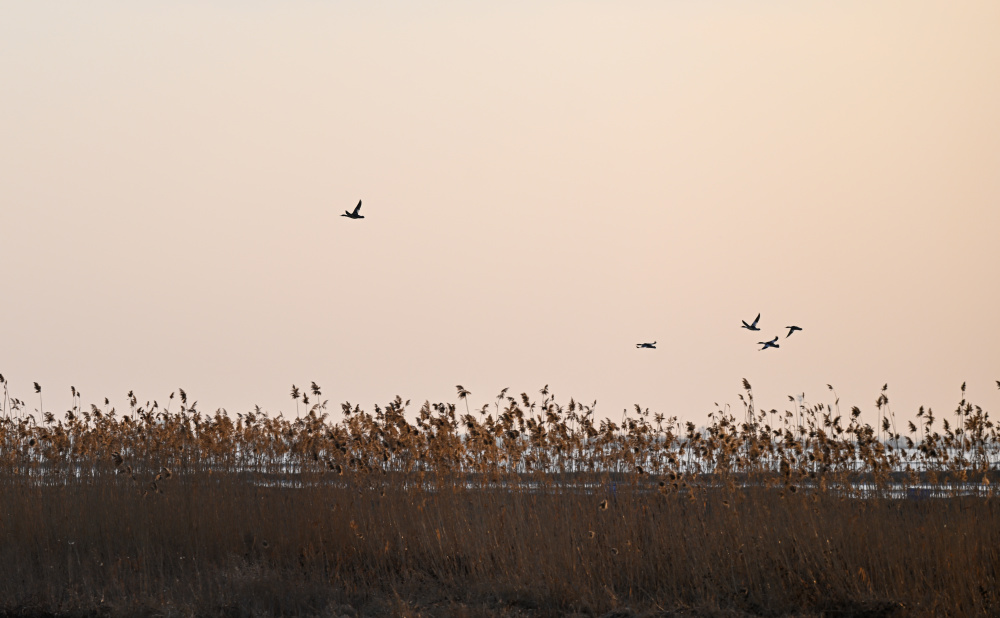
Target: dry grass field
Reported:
point(523, 508)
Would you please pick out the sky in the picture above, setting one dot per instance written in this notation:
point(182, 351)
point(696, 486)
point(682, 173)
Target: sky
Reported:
point(545, 185)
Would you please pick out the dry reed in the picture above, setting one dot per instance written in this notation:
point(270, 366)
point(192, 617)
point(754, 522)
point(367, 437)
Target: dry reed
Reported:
point(530, 508)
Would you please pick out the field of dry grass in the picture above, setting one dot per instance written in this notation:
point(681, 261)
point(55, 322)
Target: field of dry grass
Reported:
point(522, 508)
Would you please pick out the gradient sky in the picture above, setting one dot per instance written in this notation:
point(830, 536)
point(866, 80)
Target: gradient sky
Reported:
point(545, 184)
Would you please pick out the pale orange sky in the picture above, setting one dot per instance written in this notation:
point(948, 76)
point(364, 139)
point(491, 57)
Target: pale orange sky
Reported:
point(545, 184)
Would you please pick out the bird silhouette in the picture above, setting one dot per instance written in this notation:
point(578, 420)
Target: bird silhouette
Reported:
point(769, 344)
point(355, 214)
point(751, 326)
point(792, 329)
point(650, 346)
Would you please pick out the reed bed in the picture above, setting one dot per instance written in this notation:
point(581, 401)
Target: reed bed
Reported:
point(523, 507)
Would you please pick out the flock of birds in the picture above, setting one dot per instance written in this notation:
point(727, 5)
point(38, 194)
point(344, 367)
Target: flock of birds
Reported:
point(773, 343)
point(751, 326)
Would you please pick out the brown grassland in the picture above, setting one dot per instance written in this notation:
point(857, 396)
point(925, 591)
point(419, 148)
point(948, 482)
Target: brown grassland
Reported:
point(521, 508)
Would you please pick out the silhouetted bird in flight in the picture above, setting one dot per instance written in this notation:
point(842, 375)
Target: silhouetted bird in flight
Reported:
point(651, 346)
point(791, 329)
point(752, 326)
point(769, 344)
point(355, 214)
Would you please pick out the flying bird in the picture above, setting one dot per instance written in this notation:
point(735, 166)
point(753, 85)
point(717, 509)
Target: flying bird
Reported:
point(355, 214)
point(769, 344)
point(791, 329)
point(751, 326)
point(651, 346)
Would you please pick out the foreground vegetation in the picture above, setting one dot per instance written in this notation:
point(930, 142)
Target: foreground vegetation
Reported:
point(521, 508)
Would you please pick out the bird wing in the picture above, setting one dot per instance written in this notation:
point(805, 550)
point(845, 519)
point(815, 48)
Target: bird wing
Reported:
point(357, 208)
point(755, 320)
